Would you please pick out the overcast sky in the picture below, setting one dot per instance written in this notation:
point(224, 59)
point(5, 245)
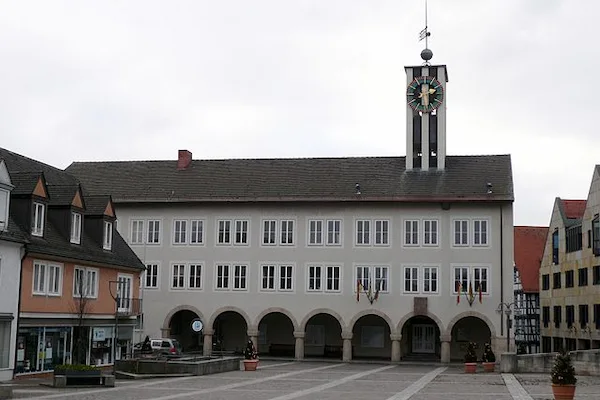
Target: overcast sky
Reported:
point(138, 80)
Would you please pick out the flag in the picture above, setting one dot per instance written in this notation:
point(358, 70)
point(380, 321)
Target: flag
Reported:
point(470, 292)
point(458, 293)
point(377, 291)
point(480, 294)
point(358, 288)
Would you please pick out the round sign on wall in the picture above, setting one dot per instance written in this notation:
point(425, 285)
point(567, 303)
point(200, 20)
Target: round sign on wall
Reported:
point(197, 325)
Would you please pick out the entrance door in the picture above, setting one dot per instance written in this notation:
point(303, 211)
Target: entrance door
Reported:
point(423, 339)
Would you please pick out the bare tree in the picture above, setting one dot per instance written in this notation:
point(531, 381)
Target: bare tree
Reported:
point(81, 307)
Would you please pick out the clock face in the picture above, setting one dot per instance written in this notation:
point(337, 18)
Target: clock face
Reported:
point(425, 94)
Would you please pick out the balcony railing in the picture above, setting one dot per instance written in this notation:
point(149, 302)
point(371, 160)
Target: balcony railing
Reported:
point(129, 307)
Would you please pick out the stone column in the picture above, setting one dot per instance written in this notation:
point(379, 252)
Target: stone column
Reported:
point(396, 351)
point(445, 351)
point(347, 351)
point(299, 348)
point(208, 335)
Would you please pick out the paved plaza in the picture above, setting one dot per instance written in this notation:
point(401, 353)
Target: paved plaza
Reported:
point(277, 380)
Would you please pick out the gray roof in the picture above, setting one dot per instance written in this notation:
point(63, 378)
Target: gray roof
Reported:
point(299, 179)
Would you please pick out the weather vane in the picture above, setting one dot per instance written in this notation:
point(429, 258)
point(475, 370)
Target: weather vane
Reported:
point(426, 54)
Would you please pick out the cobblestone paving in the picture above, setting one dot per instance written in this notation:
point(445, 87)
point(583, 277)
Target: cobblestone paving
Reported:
point(328, 381)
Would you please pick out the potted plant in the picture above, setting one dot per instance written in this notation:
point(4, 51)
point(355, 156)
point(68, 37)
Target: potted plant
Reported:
point(563, 377)
point(470, 359)
point(489, 358)
point(250, 357)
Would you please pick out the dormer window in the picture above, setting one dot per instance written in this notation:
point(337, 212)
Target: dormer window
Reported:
point(108, 232)
point(75, 227)
point(37, 224)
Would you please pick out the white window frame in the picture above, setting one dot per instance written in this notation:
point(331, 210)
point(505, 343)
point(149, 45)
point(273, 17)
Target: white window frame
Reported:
point(429, 235)
point(40, 271)
point(315, 235)
point(86, 271)
point(193, 274)
point(180, 232)
point(125, 301)
point(153, 236)
point(314, 276)
point(413, 279)
point(39, 219)
point(413, 239)
point(287, 234)
point(362, 232)
point(480, 268)
point(476, 234)
point(289, 276)
point(245, 230)
point(224, 240)
point(197, 234)
point(44, 289)
point(464, 225)
point(107, 237)
point(424, 279)
point(271, 267)
point(153, 276)
point(137, 234)
point(384, 236)
point(464, 269)
point(239, 277)
point(373, 276)
point(76, 221)
point(330, 269)
point(223, 277)
point(377, 277)
point(332, 233)
point(271, 230)
point(179, 272)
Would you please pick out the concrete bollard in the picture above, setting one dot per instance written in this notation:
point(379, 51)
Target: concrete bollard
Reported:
point(508, 362)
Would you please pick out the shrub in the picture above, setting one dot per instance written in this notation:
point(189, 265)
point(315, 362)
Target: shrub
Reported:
point(470, 356)
point(250, 351)
point(74, 367)
point(488, 354)
point(563, 372)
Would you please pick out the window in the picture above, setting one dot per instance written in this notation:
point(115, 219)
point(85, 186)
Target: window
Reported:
point(597, 315)
point(240, 277)
point(430, 232)
point(151, 276)
point(269, 232)
point(180, 232)
point(546, 282)
point(314, 278)
point(47, 279)
point(480, 279)
point(39, 278)
point(596, 235)
point(375, 275)
point(363, 232)
point(137, 232)
point(197, 232)
point(411, 279)
point(584, 317)
point(287, 232)
point(382, 234)
point(334, 232)
point(154, 232)
point(569, 279)
point(5, 327)
point(37, 224)
point(596, 275)
point(285, 277)
point(224, 233)
point(381, 278)
point(85, 282)
point(195, 276)
point(557, 316)
point(570, 315)
point(583, 276)
point(411, 232)
point(574, 239)
point(480, 232)
point(556, 280)
point(430, 279)
point(108, 234)
point(268, 277)
point(75, 227)
point(222, 276)
point(461, 279)
point(461, 233)
point(124, 288)
point(178, 276)
point(555, 245)
point(362, 277)
point(332, 278)
point(315, 232)
point(241, 232)
point(546, 316)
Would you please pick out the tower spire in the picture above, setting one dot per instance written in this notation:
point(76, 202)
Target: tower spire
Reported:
point(426, 54)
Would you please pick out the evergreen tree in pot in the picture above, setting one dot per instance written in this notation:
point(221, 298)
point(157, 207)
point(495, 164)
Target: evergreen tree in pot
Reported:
point(563, 377)
point(471, 359)
point(489, 358)
point(250, 357)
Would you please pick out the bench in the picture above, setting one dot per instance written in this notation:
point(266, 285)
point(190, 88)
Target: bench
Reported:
point(61, 381)
point(282, 350)
point(332, 351)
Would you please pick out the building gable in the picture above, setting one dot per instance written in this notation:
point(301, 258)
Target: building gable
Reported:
point(77, 199)
point(40, 188)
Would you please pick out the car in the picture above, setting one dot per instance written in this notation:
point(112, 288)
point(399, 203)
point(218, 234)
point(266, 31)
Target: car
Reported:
point(166, 346)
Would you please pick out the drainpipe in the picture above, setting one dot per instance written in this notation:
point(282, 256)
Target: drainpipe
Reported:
point(502, 269)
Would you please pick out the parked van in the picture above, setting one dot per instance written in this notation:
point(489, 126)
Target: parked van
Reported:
point(166, 346)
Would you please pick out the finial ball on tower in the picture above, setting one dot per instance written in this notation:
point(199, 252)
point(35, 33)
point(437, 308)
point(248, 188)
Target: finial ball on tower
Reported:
point(426, 54)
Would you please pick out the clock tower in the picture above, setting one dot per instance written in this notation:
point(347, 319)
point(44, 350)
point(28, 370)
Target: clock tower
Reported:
point(426, 114)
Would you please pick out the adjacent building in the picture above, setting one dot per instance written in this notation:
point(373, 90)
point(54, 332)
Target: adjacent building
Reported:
point(529, 250)
point(570, 274)
point(357, 257)
point(72, 266)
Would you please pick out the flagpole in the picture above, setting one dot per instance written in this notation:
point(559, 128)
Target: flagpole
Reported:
point(426, 38)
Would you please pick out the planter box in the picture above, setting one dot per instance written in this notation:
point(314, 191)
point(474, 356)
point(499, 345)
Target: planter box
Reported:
point(250, 365)
point(563, 392)
point(64, 378)
point(470, 368)
point(489, 366)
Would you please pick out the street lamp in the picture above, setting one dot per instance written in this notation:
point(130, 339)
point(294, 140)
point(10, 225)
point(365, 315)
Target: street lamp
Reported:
point(115, 292)
point(506, 309)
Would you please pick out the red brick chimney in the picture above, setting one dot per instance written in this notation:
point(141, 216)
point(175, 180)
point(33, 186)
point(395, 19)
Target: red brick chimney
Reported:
point(184, 160)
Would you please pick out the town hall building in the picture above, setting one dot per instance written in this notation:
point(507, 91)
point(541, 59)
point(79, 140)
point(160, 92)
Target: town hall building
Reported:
point(398, 258)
